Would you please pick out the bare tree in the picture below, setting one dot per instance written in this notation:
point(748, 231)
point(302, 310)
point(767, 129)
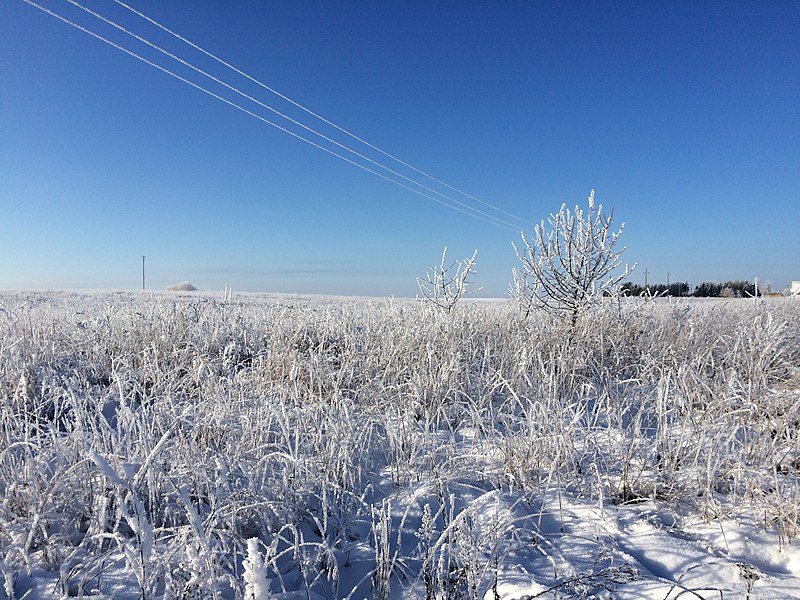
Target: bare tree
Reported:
point(445, 285)
point(570, 265)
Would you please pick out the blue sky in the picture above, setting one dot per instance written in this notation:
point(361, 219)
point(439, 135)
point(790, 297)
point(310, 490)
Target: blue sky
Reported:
point(683, 116)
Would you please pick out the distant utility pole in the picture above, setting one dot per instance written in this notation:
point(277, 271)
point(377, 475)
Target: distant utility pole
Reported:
point(143, 257)
point(645, 277)
point(667, 278)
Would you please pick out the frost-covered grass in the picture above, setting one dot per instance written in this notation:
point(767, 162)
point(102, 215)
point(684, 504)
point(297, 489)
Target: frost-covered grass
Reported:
point(181, 446)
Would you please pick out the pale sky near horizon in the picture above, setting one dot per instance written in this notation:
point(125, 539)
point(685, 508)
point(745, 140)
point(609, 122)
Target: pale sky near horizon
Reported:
point(683, 116)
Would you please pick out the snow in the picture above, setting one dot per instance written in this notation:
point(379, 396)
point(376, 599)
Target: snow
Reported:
point(288, 447)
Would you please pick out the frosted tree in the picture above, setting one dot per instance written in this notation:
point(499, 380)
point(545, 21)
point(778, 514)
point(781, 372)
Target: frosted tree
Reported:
point(571, 264)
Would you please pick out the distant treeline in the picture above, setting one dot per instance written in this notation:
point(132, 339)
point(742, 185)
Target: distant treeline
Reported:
point(707, 289)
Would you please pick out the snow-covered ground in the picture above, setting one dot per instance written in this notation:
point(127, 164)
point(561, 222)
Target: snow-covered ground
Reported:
point(169, 445)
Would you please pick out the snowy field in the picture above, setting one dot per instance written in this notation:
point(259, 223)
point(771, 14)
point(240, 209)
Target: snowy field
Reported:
point(167, 445)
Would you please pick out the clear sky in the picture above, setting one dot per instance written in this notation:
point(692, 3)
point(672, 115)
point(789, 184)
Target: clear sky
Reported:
point(683, 116)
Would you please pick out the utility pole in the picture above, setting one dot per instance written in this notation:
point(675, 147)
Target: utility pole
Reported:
point(143, 257)
point(667, 278)
point(645, 277)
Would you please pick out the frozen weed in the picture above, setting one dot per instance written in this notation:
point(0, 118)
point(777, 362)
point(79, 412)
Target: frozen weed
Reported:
point(169, 432)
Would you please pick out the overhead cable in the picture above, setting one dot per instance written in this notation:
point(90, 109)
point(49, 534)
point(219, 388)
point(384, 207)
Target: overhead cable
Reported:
point(318, 116)
point(488, 218)
point(282, 115)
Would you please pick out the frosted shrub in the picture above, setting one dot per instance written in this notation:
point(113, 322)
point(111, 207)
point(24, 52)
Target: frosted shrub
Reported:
point(444, 285)
point(183, 286)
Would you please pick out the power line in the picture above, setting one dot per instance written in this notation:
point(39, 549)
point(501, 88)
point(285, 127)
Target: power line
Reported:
point(280, 114)
point(482, 216)
point(317, 116)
